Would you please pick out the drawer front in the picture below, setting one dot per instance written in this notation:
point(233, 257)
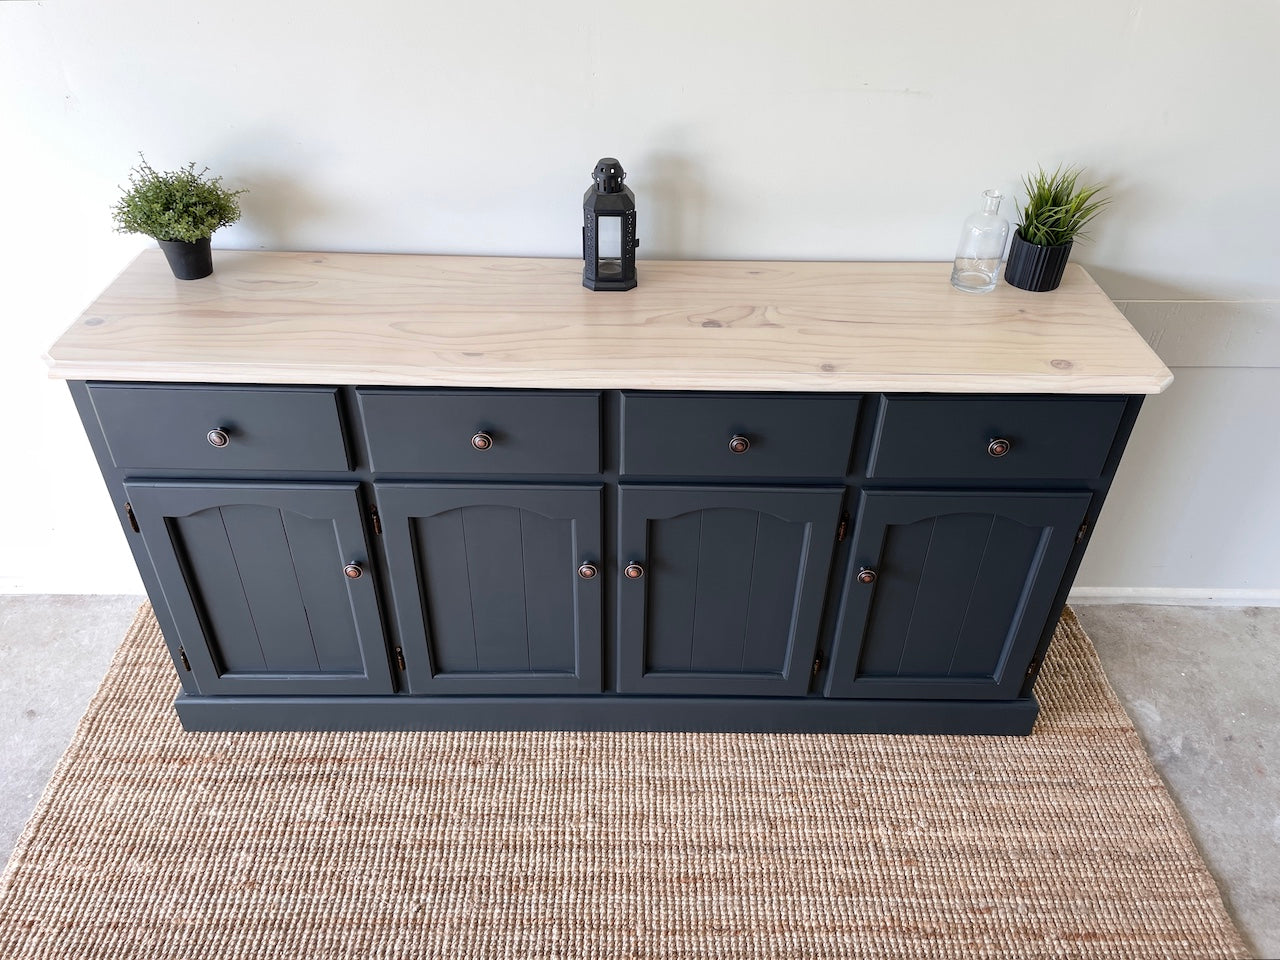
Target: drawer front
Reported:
point(199, 429)
point(962, 438)
point(481, 432)
point(779, 435)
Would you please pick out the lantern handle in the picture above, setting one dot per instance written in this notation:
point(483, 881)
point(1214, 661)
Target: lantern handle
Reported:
point(608, 175)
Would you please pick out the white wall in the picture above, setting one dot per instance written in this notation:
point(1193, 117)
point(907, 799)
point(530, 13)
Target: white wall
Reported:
point(811, 129)
point(1194, 514)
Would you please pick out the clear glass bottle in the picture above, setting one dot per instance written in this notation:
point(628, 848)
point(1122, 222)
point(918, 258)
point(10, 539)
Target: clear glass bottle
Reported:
point(981, 247)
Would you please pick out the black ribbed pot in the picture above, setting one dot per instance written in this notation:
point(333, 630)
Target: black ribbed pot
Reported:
point(189, 260)
point(1032, 266)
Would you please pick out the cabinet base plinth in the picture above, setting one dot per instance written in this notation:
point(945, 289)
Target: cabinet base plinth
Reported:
point(610, 713)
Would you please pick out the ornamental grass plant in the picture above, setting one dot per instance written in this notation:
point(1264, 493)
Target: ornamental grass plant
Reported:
point(1057, 208)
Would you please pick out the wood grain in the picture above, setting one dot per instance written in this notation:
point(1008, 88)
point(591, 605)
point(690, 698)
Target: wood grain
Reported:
point(340, 318)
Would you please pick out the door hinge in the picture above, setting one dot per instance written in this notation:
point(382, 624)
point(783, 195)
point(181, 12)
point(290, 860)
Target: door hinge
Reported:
point(377, 520)
point(817, 663)
point(133, 521)
point(186, 664)
point(1084, 528)
point(400, 658)
point(842, 531)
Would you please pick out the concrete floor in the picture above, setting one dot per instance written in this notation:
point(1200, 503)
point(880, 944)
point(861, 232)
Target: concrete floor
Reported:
point(54, 651)
point(1198, 682)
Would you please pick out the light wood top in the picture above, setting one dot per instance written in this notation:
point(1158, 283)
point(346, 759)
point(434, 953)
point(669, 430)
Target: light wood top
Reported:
point(506, 322)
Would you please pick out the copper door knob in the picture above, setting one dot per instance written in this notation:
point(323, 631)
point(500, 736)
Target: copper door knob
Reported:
point(353, 571)
point(482, 441)
point(633, 571)
point(866, 575)
point(218, 437)
point(587, 571)
point(739, 444)
point(998, 447)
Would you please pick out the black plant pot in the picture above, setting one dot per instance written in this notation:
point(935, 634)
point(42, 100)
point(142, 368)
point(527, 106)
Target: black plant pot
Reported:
point(1034, 267)
point(189, 260)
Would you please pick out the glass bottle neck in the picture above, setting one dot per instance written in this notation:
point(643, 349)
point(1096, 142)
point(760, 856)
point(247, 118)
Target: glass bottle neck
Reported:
point(991, 201)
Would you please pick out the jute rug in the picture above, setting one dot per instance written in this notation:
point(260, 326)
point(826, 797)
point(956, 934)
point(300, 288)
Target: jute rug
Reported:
point(154, 843)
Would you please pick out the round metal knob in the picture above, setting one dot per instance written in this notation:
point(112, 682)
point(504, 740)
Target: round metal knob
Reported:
point(218, 437)
point(739, 444)
point(353, 571)
point(482, 441)
point(866, 575)
point(587, 571)
point(633, 571)
point(998, 447)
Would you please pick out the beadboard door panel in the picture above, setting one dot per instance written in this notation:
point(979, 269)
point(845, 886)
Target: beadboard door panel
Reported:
point(256, 578)
point(487, 592)
point(947, 593)
point(730, 589)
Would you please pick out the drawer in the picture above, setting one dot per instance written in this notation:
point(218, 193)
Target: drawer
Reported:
point(780, 435)
point(481, 432)
point(207, 429)
point(1044, 438)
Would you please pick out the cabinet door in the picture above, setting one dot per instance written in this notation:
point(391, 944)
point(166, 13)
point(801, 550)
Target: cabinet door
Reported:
point(947, 593)
point(257, 578)
point(720, 588)
point(488, 589)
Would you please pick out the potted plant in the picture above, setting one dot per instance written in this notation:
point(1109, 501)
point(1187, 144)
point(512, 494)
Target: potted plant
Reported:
point(1056, 212)
point(181, 209)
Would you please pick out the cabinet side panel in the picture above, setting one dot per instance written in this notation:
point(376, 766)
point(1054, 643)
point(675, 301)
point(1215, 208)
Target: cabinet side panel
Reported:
point(114, 479)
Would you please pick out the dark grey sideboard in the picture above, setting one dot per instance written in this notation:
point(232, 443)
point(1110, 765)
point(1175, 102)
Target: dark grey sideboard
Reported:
point(385, 555)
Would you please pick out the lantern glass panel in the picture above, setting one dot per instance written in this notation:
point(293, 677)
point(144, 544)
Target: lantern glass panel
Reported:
point(610, 244)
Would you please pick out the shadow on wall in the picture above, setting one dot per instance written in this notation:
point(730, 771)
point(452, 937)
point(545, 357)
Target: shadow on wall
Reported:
point(1114, 282)
point(671, 188)
point(278, 209)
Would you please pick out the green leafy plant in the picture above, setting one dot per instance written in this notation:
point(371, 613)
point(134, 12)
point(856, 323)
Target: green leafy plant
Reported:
point(1057, 210)
point(176, 205)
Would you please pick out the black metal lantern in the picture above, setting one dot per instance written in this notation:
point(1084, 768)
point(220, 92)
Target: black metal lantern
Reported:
point(609, 230)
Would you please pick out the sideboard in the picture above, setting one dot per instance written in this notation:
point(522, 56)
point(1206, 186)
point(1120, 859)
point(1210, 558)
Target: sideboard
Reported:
point(410, 492)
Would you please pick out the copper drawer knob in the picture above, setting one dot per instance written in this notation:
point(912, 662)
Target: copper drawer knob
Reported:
point(353, 571)
point(482, 441)
point(218, 437)
point(739, 444)
point(998, 447)
point(633, 571)
point(866, 575)
point(588, 571)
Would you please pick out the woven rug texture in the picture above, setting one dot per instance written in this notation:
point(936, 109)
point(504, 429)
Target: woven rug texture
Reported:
point(155, 843)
